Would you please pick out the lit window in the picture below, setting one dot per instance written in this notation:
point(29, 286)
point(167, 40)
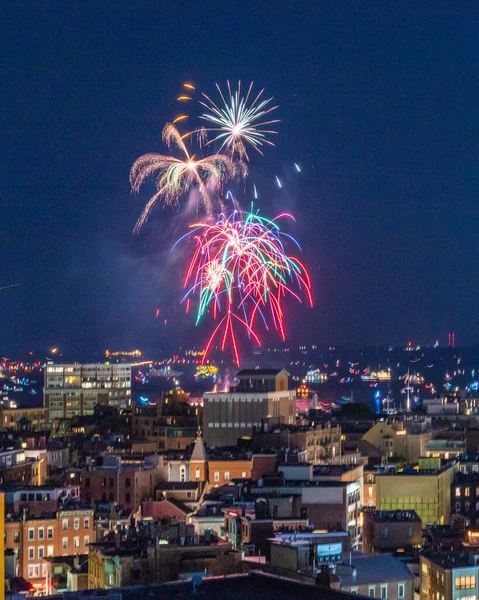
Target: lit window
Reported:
point(76, 542)
point(65, 543)
point(216, 476)
point(458, 492)
point(227, 476)
point(64, 524)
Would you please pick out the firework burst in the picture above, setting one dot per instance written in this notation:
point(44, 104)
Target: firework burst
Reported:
point(241, 272)
point(238, 121)
point(175, 176)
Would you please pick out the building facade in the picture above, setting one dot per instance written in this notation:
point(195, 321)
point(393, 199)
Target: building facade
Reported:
point(74, 390)
point(426, 491)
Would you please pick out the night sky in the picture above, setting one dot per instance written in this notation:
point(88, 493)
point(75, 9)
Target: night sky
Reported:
point(378, 104)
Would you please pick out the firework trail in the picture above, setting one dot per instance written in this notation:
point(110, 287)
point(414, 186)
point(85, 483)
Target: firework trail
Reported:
point(175, 176)
point(7, 287)
point(237, 121)
point(240, 272)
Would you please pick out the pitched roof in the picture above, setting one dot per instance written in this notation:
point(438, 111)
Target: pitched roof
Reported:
point(199, 451)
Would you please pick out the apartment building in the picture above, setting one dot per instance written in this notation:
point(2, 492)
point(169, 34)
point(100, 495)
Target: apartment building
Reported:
point(74, 390)
point(391, 530)
point(317, 444)
point(121, 480)
point(449, 576)
point(426, 490)
point(67, 532)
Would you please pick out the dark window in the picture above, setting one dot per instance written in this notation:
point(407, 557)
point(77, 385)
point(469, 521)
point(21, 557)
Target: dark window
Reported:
point(128, 482)
point(127, 497)
point(31, 497)
point(110, 482)
point(23, 497)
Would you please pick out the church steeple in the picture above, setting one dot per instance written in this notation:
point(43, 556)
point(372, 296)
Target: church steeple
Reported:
point(199, 461)
point(199, 451)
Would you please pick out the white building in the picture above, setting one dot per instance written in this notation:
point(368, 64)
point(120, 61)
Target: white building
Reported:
point(75, 389)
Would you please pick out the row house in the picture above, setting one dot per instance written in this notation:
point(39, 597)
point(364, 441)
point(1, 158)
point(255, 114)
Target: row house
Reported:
point(68, 532)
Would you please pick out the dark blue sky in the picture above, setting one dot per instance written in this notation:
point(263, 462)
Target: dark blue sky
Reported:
point(378, 103)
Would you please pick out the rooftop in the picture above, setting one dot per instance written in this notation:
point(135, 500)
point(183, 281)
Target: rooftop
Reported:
point(373, 568)
point(391, 516)
point(255, 584)
point(258, 372)
point(451, 560)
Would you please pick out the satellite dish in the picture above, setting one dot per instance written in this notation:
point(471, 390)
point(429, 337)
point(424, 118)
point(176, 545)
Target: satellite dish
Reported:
point(197, 581)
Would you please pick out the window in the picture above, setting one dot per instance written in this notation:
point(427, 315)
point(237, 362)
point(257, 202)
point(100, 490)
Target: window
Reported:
point(466, 582)
point(216, 476)
point(49, 550)
point(33, 571)
point(227, 476)
point(64, 524)
point(127, 482)
point(111, 579)
point(50, 533)
point(458, 492)
point(384, 591)
point(76, 542)
point(401, 590)
point(243, 475)
point(16, 537)
point(372, 591)
point(31, 553)
point(458, 507)
point(65, 543)
point(467, 491)
point(110, 482)
point(409, 532)
point(197, 473)
point(384, 533)
point(354, 590)
point(127, 497)
point(41, 551)
point(41, 533)
point(86, 522)
point(87, 482)
point(76, 524)
point(31, 533)
point(86, 540)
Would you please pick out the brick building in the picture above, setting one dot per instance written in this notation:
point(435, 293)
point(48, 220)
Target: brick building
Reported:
point(391, 530)
point(119, 482)
point(67, 532)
